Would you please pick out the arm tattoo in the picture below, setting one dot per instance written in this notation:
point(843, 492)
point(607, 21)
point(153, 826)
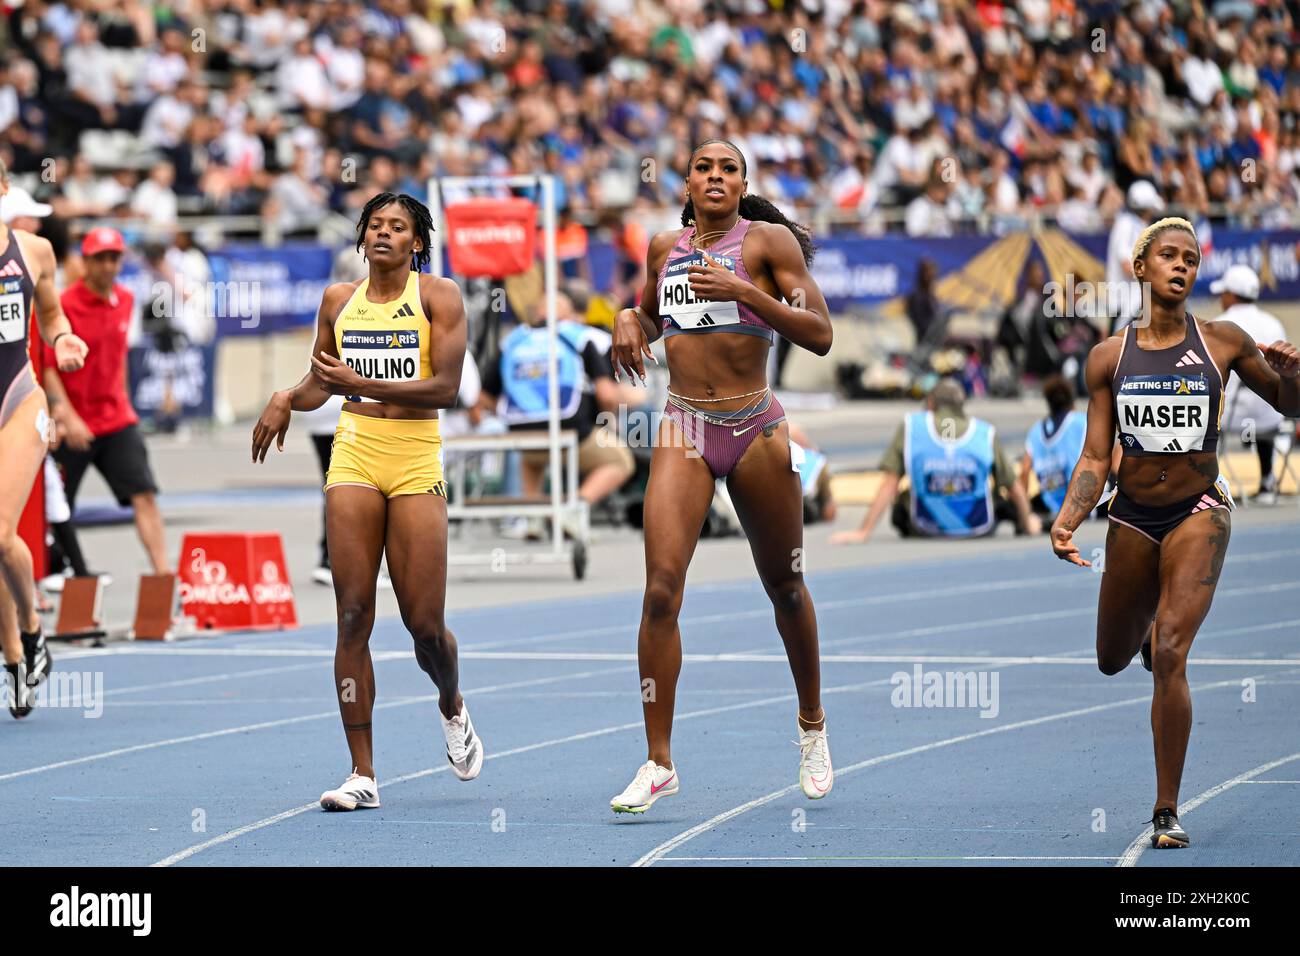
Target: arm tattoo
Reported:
point(1219, 543)
point(1084, 492)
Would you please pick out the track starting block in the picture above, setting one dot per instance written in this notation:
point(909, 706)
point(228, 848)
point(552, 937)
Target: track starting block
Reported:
point(236, 581)
point(79, 609)
point(153, 608)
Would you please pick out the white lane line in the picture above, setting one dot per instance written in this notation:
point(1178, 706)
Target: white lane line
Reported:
point(1290, 623)
point(1269, 781)
point(663, 849)
point(933, 629)
point(737, 658)
point(526, 748)
point(819, 859)
point(928, 595)
point(283, 722)
point(479, 650)
point(763, 612)
point(1082, 658)
point(1140, 845)
point(212, 678)
point(766, 610)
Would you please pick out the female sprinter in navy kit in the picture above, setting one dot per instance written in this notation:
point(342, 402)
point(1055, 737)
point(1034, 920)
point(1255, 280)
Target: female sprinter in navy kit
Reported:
point(718, 292)
point(26, 280)
point(1160, 383)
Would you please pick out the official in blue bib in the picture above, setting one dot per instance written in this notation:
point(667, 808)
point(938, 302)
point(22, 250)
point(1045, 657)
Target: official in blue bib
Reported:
point(1053, 446)
point(958, 476)
point(516, 387)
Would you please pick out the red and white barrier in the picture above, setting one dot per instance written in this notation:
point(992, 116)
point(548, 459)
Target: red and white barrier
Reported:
point(236, 581)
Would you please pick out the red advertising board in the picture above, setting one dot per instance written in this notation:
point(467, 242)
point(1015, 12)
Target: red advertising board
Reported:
point(236, 581)
point(491, 238)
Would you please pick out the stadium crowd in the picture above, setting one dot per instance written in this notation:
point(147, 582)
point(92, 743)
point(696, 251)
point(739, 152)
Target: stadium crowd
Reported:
point(934, 117)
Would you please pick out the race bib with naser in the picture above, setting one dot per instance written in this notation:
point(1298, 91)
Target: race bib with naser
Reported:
point(1163, 413)
point(13, 321)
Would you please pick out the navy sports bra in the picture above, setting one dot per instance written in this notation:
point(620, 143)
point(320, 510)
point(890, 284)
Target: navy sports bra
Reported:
point(1167, 401)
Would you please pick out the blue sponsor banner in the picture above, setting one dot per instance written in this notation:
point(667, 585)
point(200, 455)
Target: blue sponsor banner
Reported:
point(166, 385)
point(257, 290)
point(253, 289)
point(858, 272)
point(1272, 253)
point(864, 272)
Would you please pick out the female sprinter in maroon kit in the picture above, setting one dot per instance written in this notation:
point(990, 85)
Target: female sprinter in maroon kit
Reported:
point(1161, 385)
point(26, 280)
point(716, 292)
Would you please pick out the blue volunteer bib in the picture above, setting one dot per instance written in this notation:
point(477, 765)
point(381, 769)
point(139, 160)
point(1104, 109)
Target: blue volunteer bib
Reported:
point(950, 479)
point(1054, 458)
point(523, 372)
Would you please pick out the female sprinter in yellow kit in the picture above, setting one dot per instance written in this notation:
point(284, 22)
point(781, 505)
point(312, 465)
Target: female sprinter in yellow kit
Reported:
point(393, 344)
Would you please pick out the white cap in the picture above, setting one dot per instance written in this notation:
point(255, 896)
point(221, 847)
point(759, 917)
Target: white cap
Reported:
point(19, 202)
point(1142, 195)
point(1240, 280)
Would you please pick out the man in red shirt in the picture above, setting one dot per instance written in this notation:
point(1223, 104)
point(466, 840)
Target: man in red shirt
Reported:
point(98, 421)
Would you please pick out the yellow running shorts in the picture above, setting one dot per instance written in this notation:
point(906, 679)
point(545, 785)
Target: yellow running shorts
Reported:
point(392, 455)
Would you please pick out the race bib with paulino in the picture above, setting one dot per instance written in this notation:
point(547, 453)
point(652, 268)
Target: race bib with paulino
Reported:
point(382, 355)
point(678, 303)
point(1163, 413)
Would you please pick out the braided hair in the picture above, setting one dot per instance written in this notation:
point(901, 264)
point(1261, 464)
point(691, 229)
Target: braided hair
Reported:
point(420, 217)
point(755, 207)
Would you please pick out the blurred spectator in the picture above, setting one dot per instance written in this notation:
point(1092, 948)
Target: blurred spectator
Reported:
point(922, 304)
point(957, 473)
point(1248, 415)
point(154, 200)
point(1023, 320)
point(931, 214)
point(297, 200)
point(99, 422)
point(515, 387)
point(815, 476)
point(1053, 447)
point(841, 107)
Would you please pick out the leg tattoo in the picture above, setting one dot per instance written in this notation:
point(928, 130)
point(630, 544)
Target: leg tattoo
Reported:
point(1219, 542)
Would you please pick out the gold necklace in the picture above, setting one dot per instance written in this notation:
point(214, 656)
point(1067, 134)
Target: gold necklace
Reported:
point(699, 240)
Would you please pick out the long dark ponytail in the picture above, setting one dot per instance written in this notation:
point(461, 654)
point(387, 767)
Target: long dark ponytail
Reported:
point(756, 208)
